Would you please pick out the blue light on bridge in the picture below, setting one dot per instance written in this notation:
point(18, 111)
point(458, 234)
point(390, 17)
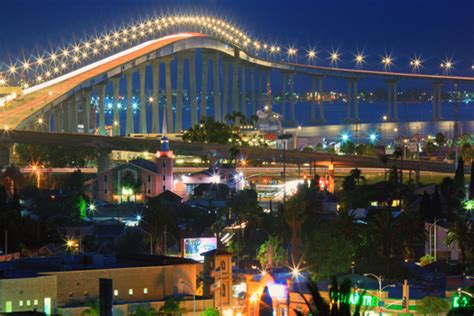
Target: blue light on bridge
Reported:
point(345, 137)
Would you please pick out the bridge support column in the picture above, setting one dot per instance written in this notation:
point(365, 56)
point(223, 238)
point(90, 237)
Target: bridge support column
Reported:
point(169, 95)
point(116, 119)
point(355, 100)
point(436, 101)
point(395, 101)
point(392, 100)
point(73, 114)
point(86, 110)
point(129, 124)
point(253, 108)
point(56, 115)
point(142, 74)
point(313, 98)
point(321, 101)
point(64, 118)
point(260, 89)
point(243, 87)
point(284, 82)
point(217, 92)
point(349, 101)
point(204, 78)
point(192, 88)
point(155, 111)
point(292, 100)
point(4, 156)
point(268, 88)
point(235, 86)
point(331, 176)
point(103, 161)
point(47, 121)
point(102, 109)
point(225, 96)
point(179, 91)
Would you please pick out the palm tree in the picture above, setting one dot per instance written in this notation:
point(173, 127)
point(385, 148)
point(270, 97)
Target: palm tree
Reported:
point(384, 160)
point(295, 215)
point(462, 233)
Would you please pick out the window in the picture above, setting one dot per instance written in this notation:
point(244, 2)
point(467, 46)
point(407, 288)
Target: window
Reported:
point(222, 290)
point(70, 294)
point(164, 188)
point(35, 302)
point(130, 291)
point(149, 191)
point(105, 178)
point(8, 306)
point(222, 265)
point(86, 294)
point(145, 290)
point(164, 177)
point(115, 292)
point(105, 191)
point(28, 302)
point(47, 305)
point(20, 303)
point(149, 178)
point(164, 164)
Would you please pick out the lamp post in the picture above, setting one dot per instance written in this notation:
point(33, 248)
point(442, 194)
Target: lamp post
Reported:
point(379, 280)
point(284, 137)
point(435, 231)
point(194, 296)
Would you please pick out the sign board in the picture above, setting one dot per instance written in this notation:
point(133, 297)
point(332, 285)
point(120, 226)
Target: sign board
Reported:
point(194, 247)
point(461, 301)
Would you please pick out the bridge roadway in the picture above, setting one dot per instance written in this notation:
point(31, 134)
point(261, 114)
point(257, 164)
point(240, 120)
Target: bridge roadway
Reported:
point(108, 143)
point(37, 99)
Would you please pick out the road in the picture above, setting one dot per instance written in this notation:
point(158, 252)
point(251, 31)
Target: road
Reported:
point(256, 154)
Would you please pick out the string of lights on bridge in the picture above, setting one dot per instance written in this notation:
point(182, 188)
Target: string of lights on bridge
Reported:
point(49, 65)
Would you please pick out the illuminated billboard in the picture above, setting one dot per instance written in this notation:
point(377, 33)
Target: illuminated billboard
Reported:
point(194, 247)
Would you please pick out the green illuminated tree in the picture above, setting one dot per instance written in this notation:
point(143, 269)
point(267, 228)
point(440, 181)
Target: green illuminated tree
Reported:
point(432, 306)
point(272, 253)
point(210, 311)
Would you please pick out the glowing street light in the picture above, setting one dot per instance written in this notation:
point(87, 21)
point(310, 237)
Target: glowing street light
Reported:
point(415, 64)
point(311, 55)
point(447, 65)
point(292, 52)
point(385, 118)
point(345, 137)
point(373, 137)
point(334, 57)
point(387, 61)
point(359, 59)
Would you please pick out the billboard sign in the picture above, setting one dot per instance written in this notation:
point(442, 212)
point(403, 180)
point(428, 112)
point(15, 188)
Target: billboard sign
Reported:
point(193, 247)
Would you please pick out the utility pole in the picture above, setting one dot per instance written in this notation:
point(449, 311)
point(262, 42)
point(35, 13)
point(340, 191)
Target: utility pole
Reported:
point(6, 242)
point(164, 242)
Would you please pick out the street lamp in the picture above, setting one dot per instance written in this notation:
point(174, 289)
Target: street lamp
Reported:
point(379, 280)
point(194, 296)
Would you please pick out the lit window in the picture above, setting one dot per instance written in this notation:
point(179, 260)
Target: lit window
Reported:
point(145, 291)
point(20, 303)
point(35, 302)
point(130, 291)
point(115, 292)
point(28, 303)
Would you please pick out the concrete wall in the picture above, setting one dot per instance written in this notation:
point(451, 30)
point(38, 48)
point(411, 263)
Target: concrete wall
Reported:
point(27, 294)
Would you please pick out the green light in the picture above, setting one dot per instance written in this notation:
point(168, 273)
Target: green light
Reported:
point(469, 205)
point(460, 301)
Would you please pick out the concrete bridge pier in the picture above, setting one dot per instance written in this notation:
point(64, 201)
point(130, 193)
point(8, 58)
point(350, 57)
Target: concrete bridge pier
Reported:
point(73, 114)
point(284, 82)
point(64, 116)
point(253, 105)
point(243, 86)
point(143, 101)
point(192, 87)
point(101, 93)
point(86, 110)
point(204, 79)
point(116, 119)
point(260, 89)
point(179, 91)
point(103, 161)
point(436, 102)
point(392, 100)
point(235, 86)
point(321, 101)
point(56, 119)
point(225, 88)
point(268, 86)
point(155, 111)
point(169, 95)
point(129, 124)
point(292, 100)
point(4, 156)
point(216, 88)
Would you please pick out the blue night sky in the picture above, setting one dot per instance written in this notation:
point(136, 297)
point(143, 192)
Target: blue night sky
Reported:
point(433, 29)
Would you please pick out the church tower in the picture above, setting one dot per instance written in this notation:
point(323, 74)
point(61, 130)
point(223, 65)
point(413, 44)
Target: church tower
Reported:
point(164, 160)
